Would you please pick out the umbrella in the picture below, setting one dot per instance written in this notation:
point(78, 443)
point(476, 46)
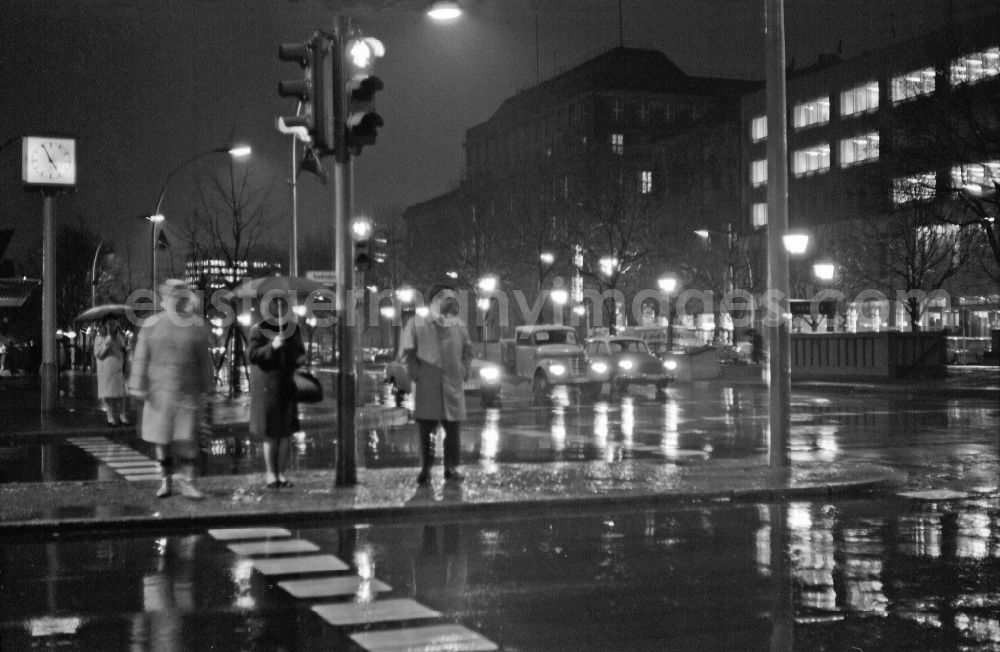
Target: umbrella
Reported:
point(102, 312)
point(298, 285)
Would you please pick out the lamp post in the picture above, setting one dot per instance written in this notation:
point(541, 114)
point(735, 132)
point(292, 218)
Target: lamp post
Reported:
point(235, 151)
point(93, 275)
point(667, 286)
point(609, 268)
point(487, 286)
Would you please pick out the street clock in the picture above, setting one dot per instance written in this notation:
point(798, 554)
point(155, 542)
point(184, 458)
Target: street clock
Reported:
point(48, 161)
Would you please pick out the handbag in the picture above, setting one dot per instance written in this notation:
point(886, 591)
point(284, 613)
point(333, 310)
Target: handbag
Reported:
point(307, 387)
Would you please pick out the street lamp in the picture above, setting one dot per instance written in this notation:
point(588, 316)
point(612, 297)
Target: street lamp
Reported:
point(667, 286)
point(487, 285)
point(795, 243)
point(234, 151)
point(444, 10)
point(824, 271)
point(93, 274)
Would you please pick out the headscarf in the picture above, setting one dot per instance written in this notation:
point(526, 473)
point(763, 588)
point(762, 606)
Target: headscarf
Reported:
point(423, 334)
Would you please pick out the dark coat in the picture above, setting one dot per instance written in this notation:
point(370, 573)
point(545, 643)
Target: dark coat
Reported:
point(273, 410)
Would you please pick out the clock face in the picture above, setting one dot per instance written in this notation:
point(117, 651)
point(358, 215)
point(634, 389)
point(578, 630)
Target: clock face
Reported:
point(49, 161)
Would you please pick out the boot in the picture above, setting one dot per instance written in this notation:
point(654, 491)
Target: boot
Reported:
point(166, 470)
point(188, 490)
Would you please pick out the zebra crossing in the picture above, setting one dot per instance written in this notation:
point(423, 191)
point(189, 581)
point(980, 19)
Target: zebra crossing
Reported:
point(126, 462)
point(303, 558)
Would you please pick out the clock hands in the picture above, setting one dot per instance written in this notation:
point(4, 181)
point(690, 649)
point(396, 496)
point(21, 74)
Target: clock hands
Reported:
point(48, 156)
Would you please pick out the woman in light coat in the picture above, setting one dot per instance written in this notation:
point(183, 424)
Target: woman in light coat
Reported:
point(437, 351)
point(172, 373)
point(111, 351)
point(275, 349)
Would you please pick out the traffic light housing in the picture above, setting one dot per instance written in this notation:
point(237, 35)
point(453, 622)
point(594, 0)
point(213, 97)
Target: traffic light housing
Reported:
point(380, 246)
point(319, 58)
point(363, 233)
point(361, 122)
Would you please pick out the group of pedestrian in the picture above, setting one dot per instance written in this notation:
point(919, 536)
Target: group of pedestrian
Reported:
point(173, 376)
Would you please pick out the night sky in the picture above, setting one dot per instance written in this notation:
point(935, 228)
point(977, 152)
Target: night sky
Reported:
point(144, 85)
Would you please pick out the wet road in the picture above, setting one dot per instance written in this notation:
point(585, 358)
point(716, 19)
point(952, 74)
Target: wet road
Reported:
point(893, 573)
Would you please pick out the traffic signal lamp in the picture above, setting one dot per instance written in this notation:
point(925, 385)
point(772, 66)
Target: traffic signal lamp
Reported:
point(380, 246)
point(361, 122)
point(315, 90)
point(363, 233)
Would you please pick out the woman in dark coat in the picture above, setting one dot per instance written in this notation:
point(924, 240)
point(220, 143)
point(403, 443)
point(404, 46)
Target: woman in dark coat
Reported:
point(275, 350)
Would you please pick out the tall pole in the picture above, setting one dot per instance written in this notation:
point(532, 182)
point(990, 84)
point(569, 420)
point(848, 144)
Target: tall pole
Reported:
point(49, 371)
point(152, 263)
point(93, 275)
point(293, 251)
point(347, 468)
point(777, 325)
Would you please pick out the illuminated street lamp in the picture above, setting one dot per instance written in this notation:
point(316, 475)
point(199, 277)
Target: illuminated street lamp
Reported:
point(547, 257)
point(795, 243)
point(824, 271)
point(487, 285)
point(444, 10)
point(667, 286)
point(608, 265)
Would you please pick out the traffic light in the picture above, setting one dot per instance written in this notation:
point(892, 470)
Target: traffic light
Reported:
point(314, 90)
point(362, 230)
point(361, 120)
point(380, 246)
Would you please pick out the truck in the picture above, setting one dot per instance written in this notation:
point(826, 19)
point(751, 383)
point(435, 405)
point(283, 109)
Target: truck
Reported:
point(549, 355)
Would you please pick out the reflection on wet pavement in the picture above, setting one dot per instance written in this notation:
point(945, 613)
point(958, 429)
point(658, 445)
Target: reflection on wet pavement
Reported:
point(894, 573)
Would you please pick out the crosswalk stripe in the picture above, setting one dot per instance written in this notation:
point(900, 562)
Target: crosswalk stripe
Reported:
point(248, 533)
point(332, 587)
point(298, 565)
point(379, 611)
point(433, 637)
point(277, 547)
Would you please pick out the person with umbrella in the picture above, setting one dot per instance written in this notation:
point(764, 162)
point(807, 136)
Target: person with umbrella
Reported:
point(111, 351)
point(437, 351)
point(172, 374)
point(275, 349)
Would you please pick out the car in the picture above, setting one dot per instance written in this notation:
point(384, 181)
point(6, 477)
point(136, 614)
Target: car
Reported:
point(485, 379)
point(548, 355)
point(625, 361)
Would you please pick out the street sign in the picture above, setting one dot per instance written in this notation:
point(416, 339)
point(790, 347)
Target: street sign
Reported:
point(324, 276)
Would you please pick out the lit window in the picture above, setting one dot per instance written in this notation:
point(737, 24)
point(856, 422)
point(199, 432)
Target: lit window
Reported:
point(758, 173)
point(646, 182)
point(697, 112)
point(811, 159)
point(758, 215)
point(758, 128)
point(913, 84)
point(814, 112)
point(643, 112)
point(859, 99)
point(618, 143)
point(618, 110)
point(973, 67)
point(863, 147)
point(976, 175)
point(919, 187)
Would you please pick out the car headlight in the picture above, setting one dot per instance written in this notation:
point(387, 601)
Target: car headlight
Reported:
point(669, 365)
point(599, 367)
point(625, 364)
point(489, 374)
point(557, 369)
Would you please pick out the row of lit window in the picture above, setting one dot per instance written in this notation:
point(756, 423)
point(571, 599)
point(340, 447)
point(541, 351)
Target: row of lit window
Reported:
point(857, 149)
point(923, 187)
point(860, 99)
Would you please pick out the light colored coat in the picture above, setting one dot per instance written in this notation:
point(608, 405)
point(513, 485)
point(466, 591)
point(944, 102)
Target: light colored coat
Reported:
point(172, 369)
point(110, 351)
point(437, 358)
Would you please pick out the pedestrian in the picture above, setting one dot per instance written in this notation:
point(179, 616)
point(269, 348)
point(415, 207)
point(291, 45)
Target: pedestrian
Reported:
point(172, 374)
point(275, 350)
point(111, 351)
point(437, 352)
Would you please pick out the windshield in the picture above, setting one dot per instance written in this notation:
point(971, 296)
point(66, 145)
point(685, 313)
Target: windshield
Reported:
point(555, 337)
point(628, 346)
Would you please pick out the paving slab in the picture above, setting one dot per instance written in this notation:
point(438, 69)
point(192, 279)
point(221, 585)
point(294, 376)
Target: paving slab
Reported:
point(273, 547)
point(299, 565)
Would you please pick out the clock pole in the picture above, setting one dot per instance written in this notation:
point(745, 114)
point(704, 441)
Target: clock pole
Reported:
point(49, 371)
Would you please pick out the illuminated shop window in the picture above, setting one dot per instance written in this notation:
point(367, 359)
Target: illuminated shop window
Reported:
point(618, 144)
point(811, 159)
point(813, 112)
point(913, 84)
point(758, 173)
point(863, 147)
point(919, 187)
point(758, 129)
point(971, 68)
point(859, 99)
point(645, 181)
point(758, 215)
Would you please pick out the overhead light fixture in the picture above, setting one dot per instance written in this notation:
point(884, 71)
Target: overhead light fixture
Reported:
point(444, 10)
